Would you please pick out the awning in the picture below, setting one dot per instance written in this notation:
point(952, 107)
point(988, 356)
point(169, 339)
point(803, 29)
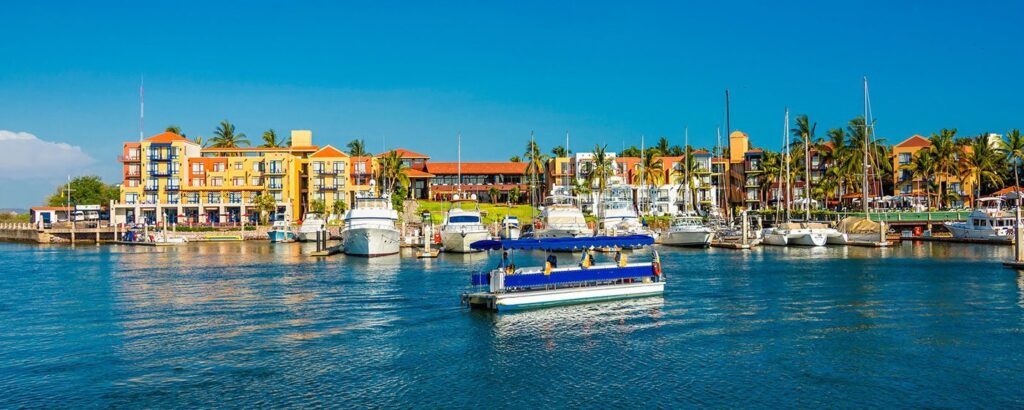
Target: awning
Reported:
point(565, 244)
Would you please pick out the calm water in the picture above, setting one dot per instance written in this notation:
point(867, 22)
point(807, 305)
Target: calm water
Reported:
point(256, 324)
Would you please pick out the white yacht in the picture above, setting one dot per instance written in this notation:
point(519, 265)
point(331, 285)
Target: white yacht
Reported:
point(990, 221)
point(560, 218)
point(510, 228)
point(462, 227)
point(618, 216)
point(370, 228)
point(793, 233)
point(688, 230)
point(311, 224)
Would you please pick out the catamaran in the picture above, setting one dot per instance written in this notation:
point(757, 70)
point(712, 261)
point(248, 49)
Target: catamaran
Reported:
point(989, 222)
point(791, 233)
point(508, 287)
point(312, 224)
point(463, 226)
point(370, 228)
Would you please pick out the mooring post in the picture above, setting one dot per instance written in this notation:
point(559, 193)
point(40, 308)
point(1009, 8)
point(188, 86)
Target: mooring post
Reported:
point(1017, 236)
point(745, 225)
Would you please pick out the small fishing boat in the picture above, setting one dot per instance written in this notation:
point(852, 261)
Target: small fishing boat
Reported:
point(281, 231)
point(509, 287)
point(688, 230)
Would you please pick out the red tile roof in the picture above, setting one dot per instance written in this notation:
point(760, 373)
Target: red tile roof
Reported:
point(915, 141)
point(752, 150)
point(1007, 190)
point(328, 152)
point(264, 149)
point(406, 154)
point(168, 137)
point(452, 168)
point(415, 173)
point(50, 208)
point(700, 152)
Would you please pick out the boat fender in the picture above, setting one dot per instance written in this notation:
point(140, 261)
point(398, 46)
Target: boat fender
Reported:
point(538, 225)
point(437, 237)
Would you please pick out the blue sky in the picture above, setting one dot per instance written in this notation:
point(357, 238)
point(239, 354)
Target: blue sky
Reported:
point(416, 74)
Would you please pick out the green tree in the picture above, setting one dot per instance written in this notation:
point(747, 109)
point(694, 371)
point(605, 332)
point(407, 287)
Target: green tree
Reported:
point(535, 161)
point(265, 204)
point(602, 168)
point(982, 162)
point(227, 137)
point(493, 193)
point(514, 196)
point(662, 146)
point(357, 148)
point(393, 173)
point(1012, 147)
point(270, 140)
point(654, 168)
point(514, 158)
point(944, 150)
point(632, 152)
point(199, 140)
point(175, 129)
point(559, 151)
point(922, 166)
point(339, 207)
point(317, 206)
point(85, 190)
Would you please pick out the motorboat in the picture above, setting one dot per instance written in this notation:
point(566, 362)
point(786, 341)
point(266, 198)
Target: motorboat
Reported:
point(990, 221)
point(509, 287)
point(688, 230)
point(618, 216)
point(281, 230)
point(461, 226)
point(510, 228)
point(311, 224)
point(560, 218)
point(369, 228)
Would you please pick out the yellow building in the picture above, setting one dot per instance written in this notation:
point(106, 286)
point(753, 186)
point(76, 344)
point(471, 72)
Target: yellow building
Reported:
point(171, 179)
point(907, 185)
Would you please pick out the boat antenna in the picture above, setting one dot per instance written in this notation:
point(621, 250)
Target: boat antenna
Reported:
point(728, 174)
point(459, 157)
point(686, 165)
point(785, 140)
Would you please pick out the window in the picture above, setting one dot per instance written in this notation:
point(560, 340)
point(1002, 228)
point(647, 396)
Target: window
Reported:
point(238, 181)
point(361, 168)
point(131, 198)
point(175, 167)
point(174, 183)
point(192, 197)
point(197, 168)
point(904, 158)
point(173, 198)
point(256, 181)
point(218, 167)
point(257, 166)
point(153, 184)
point(239, 165)
point(277, 196)
point(213, 198)
point(318, 166)
point(131, 183)
point(235, 197)
point(276, 167)
point(151, 199)
point(339, 167)
point(197, 182)
point(339, 182)
point(274, 183)
point(339, 196)
point(216, 181)
point(905, 189)
point(317, 183)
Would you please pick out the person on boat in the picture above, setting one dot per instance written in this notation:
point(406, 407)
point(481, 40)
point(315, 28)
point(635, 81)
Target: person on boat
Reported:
point(588, 259)
point(620, 259)
point(553, 260)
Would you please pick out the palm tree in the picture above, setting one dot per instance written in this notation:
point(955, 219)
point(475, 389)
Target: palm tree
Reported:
point(559, 151)
point(982, 162)
point(175, 129)
point(270, 139)
point(393, 172)
point(1012, 146)
point(199, 140)
point(944, 150)
point(226, 137)
point(357, 148)
point(771, 166)
point(602, 168)
point(922, 166)
point(535, 161)
point(514, 158)
point(654, 168)
point(689, 167)
point(835, 158)
point(493, 193)
point(662, 146)
point(632, 152)
point(803, 142)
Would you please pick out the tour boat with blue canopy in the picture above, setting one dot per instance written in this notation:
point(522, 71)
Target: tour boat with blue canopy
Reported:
point(509, 287)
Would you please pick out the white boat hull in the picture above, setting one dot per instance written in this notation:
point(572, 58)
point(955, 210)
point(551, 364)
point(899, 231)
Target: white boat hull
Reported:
point(307, 236)
point(367, 241)
point(836, 238)
point(509, 233)
point(962, 230)
point(566, 296)
point(695, 239)
point(562, 233)
point(807, 239)
point(775, 239)
point(459, 242)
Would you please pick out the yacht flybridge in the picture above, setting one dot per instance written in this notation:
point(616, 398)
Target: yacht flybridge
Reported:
point(560, 218)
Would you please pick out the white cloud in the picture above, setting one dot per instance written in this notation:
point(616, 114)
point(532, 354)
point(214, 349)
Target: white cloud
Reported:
point(24, 156)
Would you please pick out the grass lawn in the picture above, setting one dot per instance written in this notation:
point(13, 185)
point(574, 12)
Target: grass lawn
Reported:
point(491, 213)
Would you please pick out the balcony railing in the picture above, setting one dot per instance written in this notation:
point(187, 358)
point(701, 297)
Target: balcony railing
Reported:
point(163, 157)
point(275, 186)
point(173, 187)
point(152, 188)
point(135, 173)
point(159, 173)
point(325, 171)
point(275, 171)
point(129, 158)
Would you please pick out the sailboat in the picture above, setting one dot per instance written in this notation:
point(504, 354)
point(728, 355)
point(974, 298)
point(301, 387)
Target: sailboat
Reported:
point(463, 223)
point(688, 229)
point(854, 228)
point(789, 232)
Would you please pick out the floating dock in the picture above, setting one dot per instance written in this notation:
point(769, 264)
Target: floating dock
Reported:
point(950, 239)
point(330, 250)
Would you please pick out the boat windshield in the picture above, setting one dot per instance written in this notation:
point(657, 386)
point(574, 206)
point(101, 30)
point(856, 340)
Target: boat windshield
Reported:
point(559, 200)
point(372, 203)
point(464, 219)
point(686, 221)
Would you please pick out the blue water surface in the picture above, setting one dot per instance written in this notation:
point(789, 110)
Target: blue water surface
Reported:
point(261, 325)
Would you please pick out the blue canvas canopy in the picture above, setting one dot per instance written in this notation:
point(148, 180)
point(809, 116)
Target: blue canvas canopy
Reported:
point(565, 244)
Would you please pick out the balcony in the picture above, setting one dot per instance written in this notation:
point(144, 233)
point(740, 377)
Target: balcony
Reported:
point(325, 171)
point(272, 170)
point(173, 188)
point(163, 157)
point(159, 173)
point(133, 173)
point(129, 158)
point(152, 188)
point(326, 188)
point(275, 186)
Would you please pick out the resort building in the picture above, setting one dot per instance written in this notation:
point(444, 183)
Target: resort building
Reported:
point(510, 181)
point(907, 185)
point(169, 179)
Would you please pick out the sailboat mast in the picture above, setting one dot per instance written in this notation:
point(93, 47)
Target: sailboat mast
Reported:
point(867, 139)
point(643, 182)
point(724, 198)
point(785, 141)
point(686, 165)
point(807, 175)
point(728, 155)
point(459, 156)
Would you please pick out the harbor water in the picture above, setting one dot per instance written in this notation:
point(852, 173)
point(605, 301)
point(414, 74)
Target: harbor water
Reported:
point(261, 325)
